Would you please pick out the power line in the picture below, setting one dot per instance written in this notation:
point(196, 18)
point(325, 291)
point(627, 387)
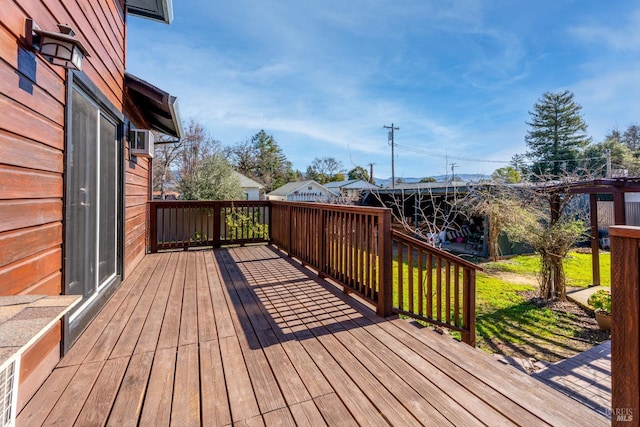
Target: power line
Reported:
point(448, 156)
point(467, 159)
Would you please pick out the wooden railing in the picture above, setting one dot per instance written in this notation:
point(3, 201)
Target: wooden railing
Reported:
point(185, 224)
point(625, 325)
point(346, 243)
point(434, 286)
point(352, 245)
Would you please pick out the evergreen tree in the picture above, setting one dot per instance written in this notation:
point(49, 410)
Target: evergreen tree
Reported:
point(557, 135)
point(359, 173)
point(518, 162)
point(262, 159)
point(621, 157)
point(631, 137)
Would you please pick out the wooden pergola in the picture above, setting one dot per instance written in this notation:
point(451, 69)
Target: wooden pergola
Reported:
point(618, 187)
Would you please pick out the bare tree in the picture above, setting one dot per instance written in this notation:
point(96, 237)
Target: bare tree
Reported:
point(165, 156)
point(427, 211)
point(325, 169)
point(499, 204)
point(551, 223)
point(197, 146)
point(244, 158)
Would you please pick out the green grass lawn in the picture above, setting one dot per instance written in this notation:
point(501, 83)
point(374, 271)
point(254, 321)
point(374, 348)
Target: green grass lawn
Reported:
point(507, 323)
point(577, 267)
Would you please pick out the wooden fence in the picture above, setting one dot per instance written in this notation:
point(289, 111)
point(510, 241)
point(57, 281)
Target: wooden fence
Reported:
point(185, 224)
point(434, 286)
point(346, 243)
point(355, 246)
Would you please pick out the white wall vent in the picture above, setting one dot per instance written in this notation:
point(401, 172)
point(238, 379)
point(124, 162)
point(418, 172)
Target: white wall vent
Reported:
point(141, 143)
point(9, 393)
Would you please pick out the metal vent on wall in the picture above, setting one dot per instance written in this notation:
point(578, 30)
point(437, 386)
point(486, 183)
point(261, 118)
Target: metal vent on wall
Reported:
point(8, 394)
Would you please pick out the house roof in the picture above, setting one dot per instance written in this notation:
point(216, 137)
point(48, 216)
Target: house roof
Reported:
point(157, 107)
point(157, 10)
point(246, 182)
point(358, 184)
point(294, 186)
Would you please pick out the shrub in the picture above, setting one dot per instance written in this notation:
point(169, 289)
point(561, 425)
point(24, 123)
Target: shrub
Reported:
point(601, 301)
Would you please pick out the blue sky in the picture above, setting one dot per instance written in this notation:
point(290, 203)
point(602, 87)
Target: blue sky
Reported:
point(457, 76)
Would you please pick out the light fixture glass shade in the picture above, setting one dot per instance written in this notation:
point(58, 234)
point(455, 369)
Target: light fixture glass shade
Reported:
point(61, 52)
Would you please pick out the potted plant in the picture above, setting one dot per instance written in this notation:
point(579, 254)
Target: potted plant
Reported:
point(601, 302)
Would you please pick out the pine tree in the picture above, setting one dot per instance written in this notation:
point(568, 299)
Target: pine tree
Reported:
point(557, 135)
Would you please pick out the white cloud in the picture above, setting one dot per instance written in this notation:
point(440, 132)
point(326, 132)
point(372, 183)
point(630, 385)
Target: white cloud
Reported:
point(622, 36)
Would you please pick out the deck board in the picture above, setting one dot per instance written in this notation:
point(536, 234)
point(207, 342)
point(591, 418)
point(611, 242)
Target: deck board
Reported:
point(246, 337)
point(148, 339)
point(157, 404)
point(186, 390)
point(128, 404)
point(97, 407)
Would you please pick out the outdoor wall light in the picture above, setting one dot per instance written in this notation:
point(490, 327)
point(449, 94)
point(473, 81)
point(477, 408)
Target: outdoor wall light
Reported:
point(59, 48)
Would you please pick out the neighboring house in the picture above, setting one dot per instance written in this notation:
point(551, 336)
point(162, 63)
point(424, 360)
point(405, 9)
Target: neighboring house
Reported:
point(353, 188)
point(168, 195)
point(250, 187)
point(73, 202)
point(301, 191)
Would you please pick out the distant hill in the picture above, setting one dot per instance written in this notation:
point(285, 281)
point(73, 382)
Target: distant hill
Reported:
point(385, 182)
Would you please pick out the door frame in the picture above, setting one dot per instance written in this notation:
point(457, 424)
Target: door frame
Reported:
point(84, 313)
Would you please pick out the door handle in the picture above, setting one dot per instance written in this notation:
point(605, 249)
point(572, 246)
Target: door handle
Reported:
point(83, 197)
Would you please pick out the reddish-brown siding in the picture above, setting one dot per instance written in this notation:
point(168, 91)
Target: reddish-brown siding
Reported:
point(32, 101)
point(32, 120)
point(137, 194)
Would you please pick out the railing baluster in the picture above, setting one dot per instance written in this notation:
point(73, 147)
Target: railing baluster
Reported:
point(438, 274)
point(439, 288)
point(429, 294)
point(399, 256)
point(456, 291)
point(410, 273)
point(447, 285)
point(420, 283)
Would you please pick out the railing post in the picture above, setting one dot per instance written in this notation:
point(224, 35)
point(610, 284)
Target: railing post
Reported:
point(625, 326)
point(322, 243)
point(469, 310)
point(290, 237)
point(385, 260)
point(153, 227)
point(216, 224)
point(269, 212)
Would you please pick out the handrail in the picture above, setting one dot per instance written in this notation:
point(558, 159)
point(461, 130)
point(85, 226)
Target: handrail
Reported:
point(434, 286)
point(181, 224)
point(350, 244)
point(353, 245)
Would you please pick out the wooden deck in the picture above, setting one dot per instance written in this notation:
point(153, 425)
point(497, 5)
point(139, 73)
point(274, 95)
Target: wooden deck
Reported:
point(244, 336)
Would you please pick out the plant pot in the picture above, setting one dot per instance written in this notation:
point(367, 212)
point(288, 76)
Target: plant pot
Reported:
point(604, 320)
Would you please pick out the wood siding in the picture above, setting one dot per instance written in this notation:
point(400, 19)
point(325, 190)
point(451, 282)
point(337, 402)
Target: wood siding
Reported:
point(32, 142)
point(137, 191)
point(32, 101)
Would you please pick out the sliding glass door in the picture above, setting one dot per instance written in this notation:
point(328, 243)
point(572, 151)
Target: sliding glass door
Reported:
point(92, 204)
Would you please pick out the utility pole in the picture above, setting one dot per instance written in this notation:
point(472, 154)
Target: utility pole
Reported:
point(391, 139)
point(371, 180)
point(453, 175)
point(608, 154)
